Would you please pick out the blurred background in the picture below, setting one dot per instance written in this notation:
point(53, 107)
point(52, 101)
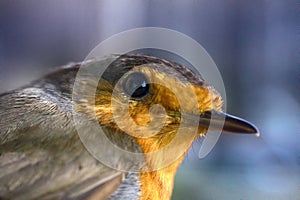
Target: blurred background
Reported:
point(255, 45)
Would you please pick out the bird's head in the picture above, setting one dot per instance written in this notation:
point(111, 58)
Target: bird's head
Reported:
point(152, 100)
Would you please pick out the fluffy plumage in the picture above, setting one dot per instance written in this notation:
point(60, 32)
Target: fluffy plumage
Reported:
point(42, 157)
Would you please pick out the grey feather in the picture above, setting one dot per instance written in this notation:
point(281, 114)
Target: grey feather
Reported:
point(41, 155)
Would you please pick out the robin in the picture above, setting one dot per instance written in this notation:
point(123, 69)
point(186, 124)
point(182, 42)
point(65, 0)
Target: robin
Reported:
point(42, 156)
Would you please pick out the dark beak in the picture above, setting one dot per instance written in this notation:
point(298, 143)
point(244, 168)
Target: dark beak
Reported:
point(227, 123)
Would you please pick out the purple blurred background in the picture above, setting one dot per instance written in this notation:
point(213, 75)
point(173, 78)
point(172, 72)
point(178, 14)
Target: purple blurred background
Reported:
point(255, 44)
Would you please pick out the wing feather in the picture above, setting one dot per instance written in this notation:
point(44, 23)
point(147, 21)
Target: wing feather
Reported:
point(41, 155)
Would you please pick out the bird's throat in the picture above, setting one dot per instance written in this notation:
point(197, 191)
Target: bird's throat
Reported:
point(158, 185)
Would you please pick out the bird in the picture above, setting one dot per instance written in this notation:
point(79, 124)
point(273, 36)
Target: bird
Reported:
point(42, 155)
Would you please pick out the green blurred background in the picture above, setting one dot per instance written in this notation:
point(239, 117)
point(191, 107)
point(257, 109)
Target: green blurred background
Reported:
point(255, 45)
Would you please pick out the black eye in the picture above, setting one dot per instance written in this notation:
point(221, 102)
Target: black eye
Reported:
point(136, 85)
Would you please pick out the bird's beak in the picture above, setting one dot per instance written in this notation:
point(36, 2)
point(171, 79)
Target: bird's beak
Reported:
point(227, 123)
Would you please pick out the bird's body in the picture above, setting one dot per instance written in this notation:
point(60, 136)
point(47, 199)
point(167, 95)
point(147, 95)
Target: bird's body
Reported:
point(42, 156)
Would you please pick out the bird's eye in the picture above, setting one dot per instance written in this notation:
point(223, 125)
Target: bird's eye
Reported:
point(136, 85)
